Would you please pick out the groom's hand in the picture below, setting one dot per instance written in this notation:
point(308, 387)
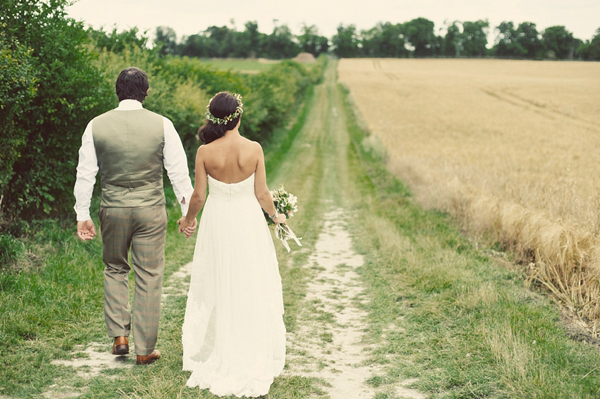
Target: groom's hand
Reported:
point(86, 230)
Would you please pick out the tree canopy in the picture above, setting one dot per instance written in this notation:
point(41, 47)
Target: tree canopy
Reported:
point(414, 38)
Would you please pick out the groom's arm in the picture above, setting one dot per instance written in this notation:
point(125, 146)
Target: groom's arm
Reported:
point(175, 162)
point(87, 168)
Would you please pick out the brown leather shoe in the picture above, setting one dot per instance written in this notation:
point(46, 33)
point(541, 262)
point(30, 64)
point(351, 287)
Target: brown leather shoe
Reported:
point(120, 346)
point(147, 359)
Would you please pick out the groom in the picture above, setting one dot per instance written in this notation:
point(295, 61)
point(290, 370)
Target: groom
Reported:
point(129, 146)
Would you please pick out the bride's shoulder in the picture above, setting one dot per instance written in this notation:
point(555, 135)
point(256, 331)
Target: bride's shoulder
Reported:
point(254, 145)
point(203, 151)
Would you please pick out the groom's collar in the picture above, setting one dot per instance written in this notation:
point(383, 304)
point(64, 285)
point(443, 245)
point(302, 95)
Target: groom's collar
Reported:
point(129, 105)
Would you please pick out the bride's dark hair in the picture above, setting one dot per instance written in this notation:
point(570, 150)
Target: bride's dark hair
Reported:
point(222, 105)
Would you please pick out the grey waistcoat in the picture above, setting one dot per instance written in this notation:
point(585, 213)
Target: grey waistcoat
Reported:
point(129, 147)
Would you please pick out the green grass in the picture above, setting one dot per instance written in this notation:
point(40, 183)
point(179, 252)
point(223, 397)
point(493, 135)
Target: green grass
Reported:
point(442, 312)
point(52, 300)
point(280, 145)
point(239, 65)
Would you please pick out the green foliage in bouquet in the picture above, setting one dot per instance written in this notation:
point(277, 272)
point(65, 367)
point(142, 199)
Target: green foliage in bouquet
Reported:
point(285, 203)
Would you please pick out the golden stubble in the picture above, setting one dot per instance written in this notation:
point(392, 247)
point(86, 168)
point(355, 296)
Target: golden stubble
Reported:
point(510, 148)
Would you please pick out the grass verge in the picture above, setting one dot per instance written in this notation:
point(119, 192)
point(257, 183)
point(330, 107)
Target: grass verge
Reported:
point(52, 300)
point(444, 313)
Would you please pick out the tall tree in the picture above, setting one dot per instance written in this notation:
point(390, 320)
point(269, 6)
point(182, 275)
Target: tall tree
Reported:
point(474, 38)
point(384, 40)
point(219, 41)
point(194, 46)
point(248, 43)
point(308, 39)
point(281, 44)
point(311, 42)
point(419, 33)
point(452, 44)
point(529, 39)
point(507, 43)
point(166, 38)
point(559, 42)
point(590, 50)
point(322, 45)
point(345, 42)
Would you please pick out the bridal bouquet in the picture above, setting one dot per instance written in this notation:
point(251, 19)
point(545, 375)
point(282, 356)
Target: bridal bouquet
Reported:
point(285, 203)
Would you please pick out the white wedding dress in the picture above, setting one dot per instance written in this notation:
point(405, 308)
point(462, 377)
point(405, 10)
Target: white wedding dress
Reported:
point(233, 332)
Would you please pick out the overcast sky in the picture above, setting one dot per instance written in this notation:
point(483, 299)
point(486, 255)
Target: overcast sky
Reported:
point(186, 17)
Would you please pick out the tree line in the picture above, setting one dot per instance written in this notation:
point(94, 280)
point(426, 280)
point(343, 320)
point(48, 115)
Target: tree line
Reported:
point(415, 38)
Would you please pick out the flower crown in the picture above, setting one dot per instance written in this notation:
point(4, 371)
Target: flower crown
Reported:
point(222, 121)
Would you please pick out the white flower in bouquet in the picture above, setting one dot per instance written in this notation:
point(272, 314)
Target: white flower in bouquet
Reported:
point(286, 204)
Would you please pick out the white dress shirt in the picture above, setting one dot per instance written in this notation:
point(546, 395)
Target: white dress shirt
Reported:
point(174, 160)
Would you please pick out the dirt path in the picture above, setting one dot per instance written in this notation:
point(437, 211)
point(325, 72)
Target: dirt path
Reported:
point(329, 341)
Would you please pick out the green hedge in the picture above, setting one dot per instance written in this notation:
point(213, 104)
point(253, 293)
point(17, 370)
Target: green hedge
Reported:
point(69, 92)
point(17, 88)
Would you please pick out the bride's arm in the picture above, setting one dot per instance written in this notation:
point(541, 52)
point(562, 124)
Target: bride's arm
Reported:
point(198, 197)
point(263, 195)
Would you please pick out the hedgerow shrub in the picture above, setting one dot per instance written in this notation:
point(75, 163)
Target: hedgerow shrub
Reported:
point(70, 91)
point(17, 87)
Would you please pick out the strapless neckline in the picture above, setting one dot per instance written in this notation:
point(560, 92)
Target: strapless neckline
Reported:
point(230, 184)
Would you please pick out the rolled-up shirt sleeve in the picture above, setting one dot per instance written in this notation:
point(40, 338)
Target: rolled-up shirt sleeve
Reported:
point(175, 162)
point(87, 169)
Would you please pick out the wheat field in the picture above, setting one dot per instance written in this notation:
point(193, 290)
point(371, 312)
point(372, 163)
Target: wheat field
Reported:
point(510, 148)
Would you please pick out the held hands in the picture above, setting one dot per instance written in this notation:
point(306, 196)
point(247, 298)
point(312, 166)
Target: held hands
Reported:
point(86, 230)
point(186, 227)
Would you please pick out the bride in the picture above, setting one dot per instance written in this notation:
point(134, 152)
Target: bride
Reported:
point(233, 332)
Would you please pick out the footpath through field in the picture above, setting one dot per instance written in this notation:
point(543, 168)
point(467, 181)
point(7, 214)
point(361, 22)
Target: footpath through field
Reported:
point(327, 341)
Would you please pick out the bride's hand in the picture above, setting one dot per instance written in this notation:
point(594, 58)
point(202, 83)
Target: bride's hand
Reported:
point(280, 219)
point(186, 227)
point(191, 229)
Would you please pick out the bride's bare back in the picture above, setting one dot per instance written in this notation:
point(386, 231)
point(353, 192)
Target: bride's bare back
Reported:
point(228, 158)
point(232, 158)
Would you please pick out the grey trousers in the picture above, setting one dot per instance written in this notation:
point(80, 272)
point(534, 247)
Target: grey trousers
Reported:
point(143, 230)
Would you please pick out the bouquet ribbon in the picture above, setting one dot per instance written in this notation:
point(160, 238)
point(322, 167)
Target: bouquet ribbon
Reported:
point(284, 233)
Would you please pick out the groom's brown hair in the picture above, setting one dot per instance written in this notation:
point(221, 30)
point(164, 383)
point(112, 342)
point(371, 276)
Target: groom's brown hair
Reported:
point(132, 84)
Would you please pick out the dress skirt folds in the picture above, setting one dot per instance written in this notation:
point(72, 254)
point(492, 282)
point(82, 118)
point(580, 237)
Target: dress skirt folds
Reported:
point(233, 332)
